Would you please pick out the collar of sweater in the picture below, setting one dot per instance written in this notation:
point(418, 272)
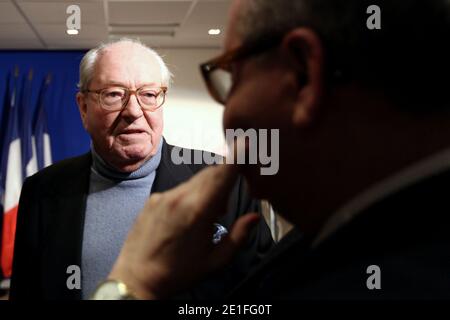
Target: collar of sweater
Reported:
point(107, 171)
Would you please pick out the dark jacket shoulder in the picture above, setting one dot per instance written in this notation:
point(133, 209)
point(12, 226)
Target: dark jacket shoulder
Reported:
point(61, 176)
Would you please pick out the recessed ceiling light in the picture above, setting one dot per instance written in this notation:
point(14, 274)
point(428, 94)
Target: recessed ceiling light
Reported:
point(72, 31)
point(213, 32)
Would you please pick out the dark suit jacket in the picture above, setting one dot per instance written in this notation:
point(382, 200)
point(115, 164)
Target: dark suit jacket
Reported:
point(406, 234)
point(51, 220)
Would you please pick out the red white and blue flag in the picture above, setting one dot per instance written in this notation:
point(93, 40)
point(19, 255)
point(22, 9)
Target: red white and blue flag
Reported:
point(22, 138)
point(11, 174)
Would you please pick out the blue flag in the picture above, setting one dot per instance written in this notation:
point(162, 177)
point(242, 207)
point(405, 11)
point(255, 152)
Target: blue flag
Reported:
point(40, 128)
point(29, 165)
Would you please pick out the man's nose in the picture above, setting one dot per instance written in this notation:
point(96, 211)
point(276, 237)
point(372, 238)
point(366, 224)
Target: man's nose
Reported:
point(132, 110)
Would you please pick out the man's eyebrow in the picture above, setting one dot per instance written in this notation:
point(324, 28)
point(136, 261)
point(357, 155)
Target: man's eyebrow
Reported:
point(115, 83)
point(121, 84)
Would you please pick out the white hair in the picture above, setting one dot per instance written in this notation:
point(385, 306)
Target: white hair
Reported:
point(87, 64)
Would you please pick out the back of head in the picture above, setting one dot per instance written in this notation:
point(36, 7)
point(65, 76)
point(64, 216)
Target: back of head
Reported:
point(407, 58)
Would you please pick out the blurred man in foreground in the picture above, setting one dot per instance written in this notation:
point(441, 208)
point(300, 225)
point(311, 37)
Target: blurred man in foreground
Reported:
point(364, 174)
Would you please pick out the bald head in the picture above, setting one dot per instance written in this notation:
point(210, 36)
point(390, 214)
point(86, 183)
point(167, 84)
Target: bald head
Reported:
point(232, 38)
point(125, 59)
point(116, 51)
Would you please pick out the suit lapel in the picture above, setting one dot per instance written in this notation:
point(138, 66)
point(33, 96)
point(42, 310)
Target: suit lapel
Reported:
point(168, 174)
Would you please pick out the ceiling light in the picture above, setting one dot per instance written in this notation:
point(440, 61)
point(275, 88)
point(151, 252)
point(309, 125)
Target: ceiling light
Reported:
point(72, 31)
point(213, 32)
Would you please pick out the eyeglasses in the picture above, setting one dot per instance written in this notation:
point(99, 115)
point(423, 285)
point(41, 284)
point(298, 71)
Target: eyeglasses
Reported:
point(116, 98)
point(217, 72)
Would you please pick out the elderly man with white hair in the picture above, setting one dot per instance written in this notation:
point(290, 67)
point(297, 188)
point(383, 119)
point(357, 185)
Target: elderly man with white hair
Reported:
point(74, 216)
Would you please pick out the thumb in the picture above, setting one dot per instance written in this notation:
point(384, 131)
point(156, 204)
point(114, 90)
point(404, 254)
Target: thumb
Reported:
point(229, 245)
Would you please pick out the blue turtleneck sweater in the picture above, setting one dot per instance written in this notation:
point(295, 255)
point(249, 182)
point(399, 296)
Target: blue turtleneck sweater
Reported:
point(113, 202)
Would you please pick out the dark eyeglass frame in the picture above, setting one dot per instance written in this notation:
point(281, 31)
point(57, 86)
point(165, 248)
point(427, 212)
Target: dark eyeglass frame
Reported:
point(338, 73)
point(129, 93)
point(225, 60)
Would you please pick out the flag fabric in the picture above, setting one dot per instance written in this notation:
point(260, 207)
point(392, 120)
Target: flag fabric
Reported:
point(41, 136)
point(4, 155)
point(28, 152)
point(25, 140)
point(11, 177)
point(3, 134)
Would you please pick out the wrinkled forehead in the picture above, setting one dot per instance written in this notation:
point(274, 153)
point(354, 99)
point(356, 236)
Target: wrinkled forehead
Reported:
point(128, 64)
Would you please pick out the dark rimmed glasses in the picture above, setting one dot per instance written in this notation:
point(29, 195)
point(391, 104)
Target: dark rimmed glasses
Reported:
point(115, 98)
point(217, 72)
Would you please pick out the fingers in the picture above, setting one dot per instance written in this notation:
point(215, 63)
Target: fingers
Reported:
point(226, 249)
point(209, 190)
point(217, 186)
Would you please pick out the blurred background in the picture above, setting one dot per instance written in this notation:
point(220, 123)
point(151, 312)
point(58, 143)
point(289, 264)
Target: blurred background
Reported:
point(34, 36)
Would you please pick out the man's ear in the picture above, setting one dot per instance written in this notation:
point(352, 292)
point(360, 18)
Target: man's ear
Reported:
point(305, 55)
point(82, 107)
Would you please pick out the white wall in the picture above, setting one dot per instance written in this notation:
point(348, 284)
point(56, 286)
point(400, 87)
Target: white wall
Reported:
point(191, 117)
